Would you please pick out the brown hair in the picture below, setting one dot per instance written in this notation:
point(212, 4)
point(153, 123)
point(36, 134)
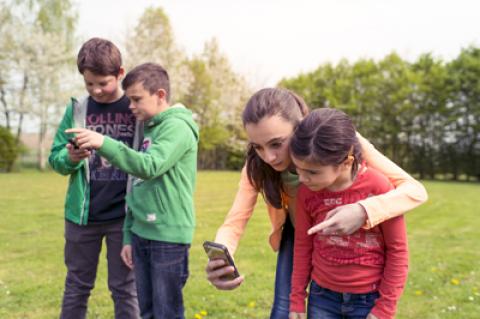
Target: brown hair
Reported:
point(100, 57)
point(326, 136)
point(152, 76)
point(266, 103)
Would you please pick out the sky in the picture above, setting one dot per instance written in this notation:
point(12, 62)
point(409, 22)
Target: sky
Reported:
point(266, 40)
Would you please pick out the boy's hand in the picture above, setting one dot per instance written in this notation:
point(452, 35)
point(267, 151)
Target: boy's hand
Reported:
point(371, 316)
point(297, 315)
point(76, 155)
point(86, 138)
point(126, 255)
point(343, 220)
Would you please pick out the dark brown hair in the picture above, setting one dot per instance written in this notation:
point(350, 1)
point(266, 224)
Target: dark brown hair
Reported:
point(326, 136)
point(266, 103)
point(100, 57)
point(152, 76)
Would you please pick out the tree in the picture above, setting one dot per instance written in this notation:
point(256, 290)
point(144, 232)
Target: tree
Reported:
point(217, 95)
point(152, 40)
point(9, 150)
point(464, 104)
point(36, 82)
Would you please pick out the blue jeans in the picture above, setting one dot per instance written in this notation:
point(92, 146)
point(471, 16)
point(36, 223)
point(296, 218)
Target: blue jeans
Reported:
point(283, 274)
point(161, 271)
point(327, 304)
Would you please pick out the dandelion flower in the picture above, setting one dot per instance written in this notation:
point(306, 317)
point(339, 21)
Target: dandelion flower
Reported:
point(203, 312)
point(252, 304)
point(455, 281)
point(418, 292)
point(198, 316)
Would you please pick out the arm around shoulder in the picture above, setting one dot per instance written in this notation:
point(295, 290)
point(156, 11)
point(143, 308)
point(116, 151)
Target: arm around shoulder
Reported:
point(408, 193)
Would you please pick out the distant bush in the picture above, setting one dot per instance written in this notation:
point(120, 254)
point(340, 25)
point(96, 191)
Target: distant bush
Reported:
point(9, 150)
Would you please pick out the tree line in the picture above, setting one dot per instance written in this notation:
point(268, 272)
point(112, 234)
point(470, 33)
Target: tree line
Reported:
point(424, 115)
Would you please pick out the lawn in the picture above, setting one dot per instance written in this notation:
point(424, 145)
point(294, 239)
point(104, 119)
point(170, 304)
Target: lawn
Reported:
point(444, 278)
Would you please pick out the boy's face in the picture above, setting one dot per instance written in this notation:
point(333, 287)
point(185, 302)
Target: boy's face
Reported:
point(143, 104)
point(103, 88)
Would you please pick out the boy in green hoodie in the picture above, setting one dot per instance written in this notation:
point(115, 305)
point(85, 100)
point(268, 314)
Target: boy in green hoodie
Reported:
point(160, 221)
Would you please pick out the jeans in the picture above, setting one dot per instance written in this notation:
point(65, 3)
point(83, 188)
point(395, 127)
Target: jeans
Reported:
point(82, 250)
point(161, 271)
point(283, 274)
point(327, 304)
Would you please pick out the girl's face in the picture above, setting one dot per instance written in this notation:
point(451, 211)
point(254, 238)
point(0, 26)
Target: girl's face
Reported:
point(270, 139)
point(317, 176)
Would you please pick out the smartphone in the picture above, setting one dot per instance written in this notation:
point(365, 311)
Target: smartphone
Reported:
point(73, 142)
point(219, 251)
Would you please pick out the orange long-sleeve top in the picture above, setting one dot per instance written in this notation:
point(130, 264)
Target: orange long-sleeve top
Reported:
point(408, 194)
point(374, 259)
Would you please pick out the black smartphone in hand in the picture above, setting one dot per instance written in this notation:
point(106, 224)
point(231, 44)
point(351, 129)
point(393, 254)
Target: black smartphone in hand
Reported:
point(73, 142)
point(219, 251)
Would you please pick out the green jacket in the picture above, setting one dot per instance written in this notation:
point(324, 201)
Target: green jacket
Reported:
point(160, 203)
point(77, 201)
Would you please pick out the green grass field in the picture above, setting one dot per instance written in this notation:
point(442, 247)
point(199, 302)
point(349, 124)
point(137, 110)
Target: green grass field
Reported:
point(444, 236)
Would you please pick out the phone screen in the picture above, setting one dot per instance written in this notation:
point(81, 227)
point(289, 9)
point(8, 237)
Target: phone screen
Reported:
point(219, 251)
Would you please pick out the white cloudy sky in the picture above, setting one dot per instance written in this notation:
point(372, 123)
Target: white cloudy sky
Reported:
point(266, 40)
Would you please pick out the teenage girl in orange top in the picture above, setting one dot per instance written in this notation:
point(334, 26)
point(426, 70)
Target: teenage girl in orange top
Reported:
point(270, 118)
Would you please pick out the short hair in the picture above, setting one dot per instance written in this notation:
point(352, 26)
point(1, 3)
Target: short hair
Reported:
point(99, 56)
point(152, 76)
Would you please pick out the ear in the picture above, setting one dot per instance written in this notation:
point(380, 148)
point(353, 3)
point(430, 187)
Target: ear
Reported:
point(121, 73)
point(348, 162)
point(162, 94)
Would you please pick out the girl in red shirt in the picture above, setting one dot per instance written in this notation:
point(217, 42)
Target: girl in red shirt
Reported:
point(361, 275)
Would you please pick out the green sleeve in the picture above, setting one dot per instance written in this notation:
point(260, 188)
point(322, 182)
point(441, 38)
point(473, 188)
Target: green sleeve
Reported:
point(127, 225)
point(59, 159)
point(174, 138)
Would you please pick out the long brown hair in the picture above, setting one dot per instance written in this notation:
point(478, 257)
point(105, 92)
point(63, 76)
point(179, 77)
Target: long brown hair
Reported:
point(326, 136)
point(266, 103)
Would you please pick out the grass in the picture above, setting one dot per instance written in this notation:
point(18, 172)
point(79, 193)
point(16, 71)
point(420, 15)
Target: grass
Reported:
point(443, 237)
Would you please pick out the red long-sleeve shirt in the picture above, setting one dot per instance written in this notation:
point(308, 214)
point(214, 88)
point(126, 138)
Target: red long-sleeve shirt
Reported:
point(368, 260)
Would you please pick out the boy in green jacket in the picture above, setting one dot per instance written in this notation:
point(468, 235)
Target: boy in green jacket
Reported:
point(95, 201)
point(160, 221)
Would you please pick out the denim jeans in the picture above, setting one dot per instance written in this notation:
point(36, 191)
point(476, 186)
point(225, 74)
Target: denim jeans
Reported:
point(161, 271)
point(82, 250)
point(283, 274)
point(327, 304)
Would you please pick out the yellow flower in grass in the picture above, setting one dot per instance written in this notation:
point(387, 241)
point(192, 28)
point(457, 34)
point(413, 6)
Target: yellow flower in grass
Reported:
point(203, 312)
point(252, 304)
point(198, 316)
point(418, 292)
point(455, 281)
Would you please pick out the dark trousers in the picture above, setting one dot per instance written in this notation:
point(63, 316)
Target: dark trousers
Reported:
point(283, 274)
point(161, 271)
point(327, 304)
point(82, 250)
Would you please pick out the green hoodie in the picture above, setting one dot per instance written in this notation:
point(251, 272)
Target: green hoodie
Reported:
point(160, 203)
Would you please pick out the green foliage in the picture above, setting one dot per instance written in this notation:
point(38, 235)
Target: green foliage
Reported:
point(424, 115)
point(9, 150)
point(443, 281)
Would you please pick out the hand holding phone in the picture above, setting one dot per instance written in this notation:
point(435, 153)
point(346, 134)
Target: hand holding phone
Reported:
point(219, 251)
point(73, 142)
